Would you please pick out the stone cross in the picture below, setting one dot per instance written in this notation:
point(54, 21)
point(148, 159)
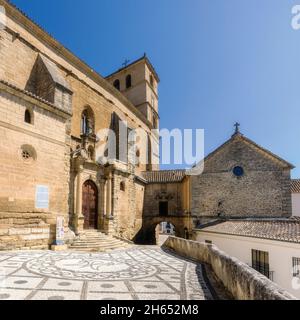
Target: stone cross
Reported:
point(237, 127)
point(125, 63)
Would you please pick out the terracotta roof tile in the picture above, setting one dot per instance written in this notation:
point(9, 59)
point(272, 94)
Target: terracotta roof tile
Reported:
point(55, 73)
point(164, 176)
point(32, 95)
point(28, 93)
point(295, 186)
point(274, 229)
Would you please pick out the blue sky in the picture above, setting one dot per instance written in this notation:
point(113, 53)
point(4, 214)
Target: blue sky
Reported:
point(219, 61)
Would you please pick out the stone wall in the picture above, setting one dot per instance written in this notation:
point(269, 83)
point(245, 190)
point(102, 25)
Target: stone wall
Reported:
point(243, 282)
point(156, 192)
point(153, 194)
point(21, 46)
point(24, 231)
point(45, 139)
point(263, 190)
point(48, 165)
point(127, 208)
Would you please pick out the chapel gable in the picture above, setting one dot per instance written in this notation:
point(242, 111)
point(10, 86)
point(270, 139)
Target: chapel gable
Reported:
point(46, 81)
point(241, 151)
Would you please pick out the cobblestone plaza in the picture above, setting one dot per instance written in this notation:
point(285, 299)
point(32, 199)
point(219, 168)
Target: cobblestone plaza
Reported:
point(132, 274)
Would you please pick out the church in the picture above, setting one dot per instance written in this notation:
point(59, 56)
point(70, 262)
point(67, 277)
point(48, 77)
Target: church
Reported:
point(52, 105)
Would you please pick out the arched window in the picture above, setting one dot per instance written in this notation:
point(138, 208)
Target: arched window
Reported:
point(155, 122)
point(149, 153)
point(28, 117)
point(151, 80)
point(122, 186)
point(87, 121)
point(128, 81)
point(117, 84)
point(137, 157)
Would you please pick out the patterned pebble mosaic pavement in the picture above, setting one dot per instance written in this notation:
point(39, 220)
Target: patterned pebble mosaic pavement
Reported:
point(138, 273)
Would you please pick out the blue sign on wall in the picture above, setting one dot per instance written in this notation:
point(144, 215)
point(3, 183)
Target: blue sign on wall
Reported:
point(42, 197)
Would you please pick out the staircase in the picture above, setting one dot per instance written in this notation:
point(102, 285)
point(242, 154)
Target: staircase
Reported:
point(94, 240)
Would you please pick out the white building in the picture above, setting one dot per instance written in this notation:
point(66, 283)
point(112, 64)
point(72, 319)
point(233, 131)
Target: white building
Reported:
point(296, 197)
point(272, 247)
point(167, 228)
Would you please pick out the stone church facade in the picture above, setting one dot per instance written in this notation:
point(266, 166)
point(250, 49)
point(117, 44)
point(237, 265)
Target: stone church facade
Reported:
point(242, 179)
point(52, 106)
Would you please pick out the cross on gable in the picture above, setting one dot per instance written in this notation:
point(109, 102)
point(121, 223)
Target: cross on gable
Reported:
point(125, 63)
point(237, 127)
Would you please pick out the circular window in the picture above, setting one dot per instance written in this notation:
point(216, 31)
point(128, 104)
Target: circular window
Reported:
point(238, 171)
point(28, 153)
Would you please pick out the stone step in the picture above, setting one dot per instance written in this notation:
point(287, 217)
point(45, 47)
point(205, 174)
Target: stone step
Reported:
point(97, 240)
point(94, 249)
point(97, 243)
point(98, 247)
point(94, 240)
point(94, 237)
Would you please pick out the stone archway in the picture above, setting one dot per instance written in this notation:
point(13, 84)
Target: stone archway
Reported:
point(90, 205)
point(147, 234)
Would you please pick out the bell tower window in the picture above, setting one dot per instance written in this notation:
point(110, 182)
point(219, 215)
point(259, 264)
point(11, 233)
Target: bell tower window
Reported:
point(155, 122)
point(117, 84)
point(128, 81)
point(151, 80)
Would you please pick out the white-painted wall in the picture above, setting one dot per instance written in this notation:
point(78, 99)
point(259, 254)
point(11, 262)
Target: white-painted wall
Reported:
point(280, 255)
point(167, 228)
point(296, 204)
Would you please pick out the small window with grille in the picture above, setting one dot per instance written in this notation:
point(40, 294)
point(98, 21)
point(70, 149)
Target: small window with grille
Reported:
point(296, 267)
point(260, 262)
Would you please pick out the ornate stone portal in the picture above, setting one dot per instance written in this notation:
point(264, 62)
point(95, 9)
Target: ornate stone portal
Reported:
point(87, 171)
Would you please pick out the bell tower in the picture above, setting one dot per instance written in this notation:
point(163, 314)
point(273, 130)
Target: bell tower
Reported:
point(138, 82)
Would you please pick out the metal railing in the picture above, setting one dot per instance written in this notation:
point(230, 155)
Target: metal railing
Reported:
point(266, 273)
